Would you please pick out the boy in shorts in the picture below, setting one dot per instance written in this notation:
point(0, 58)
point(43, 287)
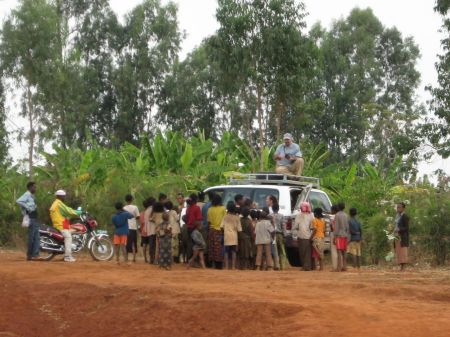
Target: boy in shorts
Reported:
point(120, 221)
point(198, 247)
point(341, 232)
point(354, 247)
point(231, 225)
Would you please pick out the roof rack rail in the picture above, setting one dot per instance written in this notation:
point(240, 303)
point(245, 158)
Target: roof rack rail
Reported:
point(265, 178)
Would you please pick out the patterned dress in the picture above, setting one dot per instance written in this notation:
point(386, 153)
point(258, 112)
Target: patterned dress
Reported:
point(165, 244)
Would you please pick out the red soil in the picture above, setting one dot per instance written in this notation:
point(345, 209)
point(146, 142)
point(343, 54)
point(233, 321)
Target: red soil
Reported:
point(90, 298)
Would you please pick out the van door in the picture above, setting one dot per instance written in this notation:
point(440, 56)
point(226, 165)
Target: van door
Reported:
point(304, 196)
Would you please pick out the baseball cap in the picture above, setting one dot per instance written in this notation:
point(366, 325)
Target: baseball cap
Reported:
point(287, 136)
point(60, 193)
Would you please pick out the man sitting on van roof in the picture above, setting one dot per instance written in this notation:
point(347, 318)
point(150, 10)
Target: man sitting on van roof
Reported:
point(289, 157)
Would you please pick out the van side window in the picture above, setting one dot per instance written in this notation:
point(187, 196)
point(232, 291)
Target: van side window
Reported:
point(294, 197)
point(318, 199)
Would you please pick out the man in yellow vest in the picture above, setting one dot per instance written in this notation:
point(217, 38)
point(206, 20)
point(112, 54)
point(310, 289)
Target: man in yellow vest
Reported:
point(60, 214)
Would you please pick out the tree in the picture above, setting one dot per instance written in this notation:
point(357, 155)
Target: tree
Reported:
point(439, 131)
point(369, 82)
point(4, 143)
point(260, 50)
point(28, 41)
point(191, 94)
point(148, 47)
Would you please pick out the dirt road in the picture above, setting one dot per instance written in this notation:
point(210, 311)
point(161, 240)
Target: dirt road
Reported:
point(103, 299)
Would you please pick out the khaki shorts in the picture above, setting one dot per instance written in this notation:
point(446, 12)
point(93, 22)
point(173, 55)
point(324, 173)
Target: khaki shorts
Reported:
point(354, 248)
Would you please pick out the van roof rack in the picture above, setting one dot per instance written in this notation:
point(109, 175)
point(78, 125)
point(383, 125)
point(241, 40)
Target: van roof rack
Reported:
point(265, 178)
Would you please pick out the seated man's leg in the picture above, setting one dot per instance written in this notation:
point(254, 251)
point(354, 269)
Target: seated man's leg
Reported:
point(67, 242)
point(282, 170)
point(297, 166)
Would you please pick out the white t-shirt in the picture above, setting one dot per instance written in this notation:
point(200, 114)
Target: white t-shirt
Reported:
point(134, 211)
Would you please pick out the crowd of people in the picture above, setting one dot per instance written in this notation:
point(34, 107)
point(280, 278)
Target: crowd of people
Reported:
point(231, 236)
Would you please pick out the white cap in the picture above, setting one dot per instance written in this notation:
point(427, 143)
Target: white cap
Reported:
point(60, 193)
point(287, 136)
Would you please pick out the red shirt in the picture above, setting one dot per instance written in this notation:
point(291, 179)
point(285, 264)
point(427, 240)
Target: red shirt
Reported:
point(193, 214)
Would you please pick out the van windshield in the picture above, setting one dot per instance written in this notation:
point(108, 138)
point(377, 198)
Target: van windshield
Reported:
point(258, 195)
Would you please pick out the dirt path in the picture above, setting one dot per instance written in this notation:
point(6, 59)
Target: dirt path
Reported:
point(102, 299)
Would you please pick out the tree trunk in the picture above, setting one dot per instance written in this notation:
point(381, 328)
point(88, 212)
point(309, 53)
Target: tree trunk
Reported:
point(279, 115)
point(260, 125)
point(32, 133)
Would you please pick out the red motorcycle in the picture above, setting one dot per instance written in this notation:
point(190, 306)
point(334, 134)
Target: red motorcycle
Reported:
point(97, 241)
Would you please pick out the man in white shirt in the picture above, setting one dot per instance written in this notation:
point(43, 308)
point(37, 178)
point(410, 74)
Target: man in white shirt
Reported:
point(289, 157)
point(132, 226)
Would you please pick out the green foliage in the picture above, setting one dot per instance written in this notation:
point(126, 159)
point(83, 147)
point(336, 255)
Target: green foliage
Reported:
point(438, 130)
point(4, 142)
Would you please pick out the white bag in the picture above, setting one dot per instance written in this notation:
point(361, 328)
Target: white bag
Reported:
point(26, 221)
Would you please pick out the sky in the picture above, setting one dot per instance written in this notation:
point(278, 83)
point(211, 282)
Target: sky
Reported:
point(414, 18)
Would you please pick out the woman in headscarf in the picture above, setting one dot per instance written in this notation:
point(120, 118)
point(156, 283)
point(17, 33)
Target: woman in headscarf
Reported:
point(302, 232)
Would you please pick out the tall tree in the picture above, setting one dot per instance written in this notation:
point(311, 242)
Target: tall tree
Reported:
point(369, 83)
point(439, 132)
point(28, 41)
point(260, 48)
point(4, 143)
point(149, 46)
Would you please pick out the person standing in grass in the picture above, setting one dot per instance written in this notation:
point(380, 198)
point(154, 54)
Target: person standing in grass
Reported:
point(120, 222)
point(198, 247)
point(402, 232)
point(354, 246)
point(318, 236)
point(132, 226)
point(164, 232)
point(341, 233)
point(231, 226)
point(264, 235)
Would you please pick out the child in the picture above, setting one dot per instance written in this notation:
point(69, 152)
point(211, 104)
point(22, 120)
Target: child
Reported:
point(175, 225)
point(245, 240)
point(334, 257)
point(155, 219)
point(341, 231)
point(318, 236)
point(120, 221)
point(231, 225)
point(199, 246)
point(278, 224)
point(354, 247)
point(132, 225)
point(264, 235)
point(164, 232)
point(145, 226)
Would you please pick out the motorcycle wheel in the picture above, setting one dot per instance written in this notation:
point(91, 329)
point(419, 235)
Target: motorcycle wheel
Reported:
point(45, 254)
point(102, 249)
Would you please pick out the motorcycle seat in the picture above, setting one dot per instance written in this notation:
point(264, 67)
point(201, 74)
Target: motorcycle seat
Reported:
point(50, 229)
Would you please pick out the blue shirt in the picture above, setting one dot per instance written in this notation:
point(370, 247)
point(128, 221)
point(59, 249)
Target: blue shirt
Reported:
point(120, 221)
point(205, 214)
point(292, 150)
point(27, 203)
point(355, 230)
